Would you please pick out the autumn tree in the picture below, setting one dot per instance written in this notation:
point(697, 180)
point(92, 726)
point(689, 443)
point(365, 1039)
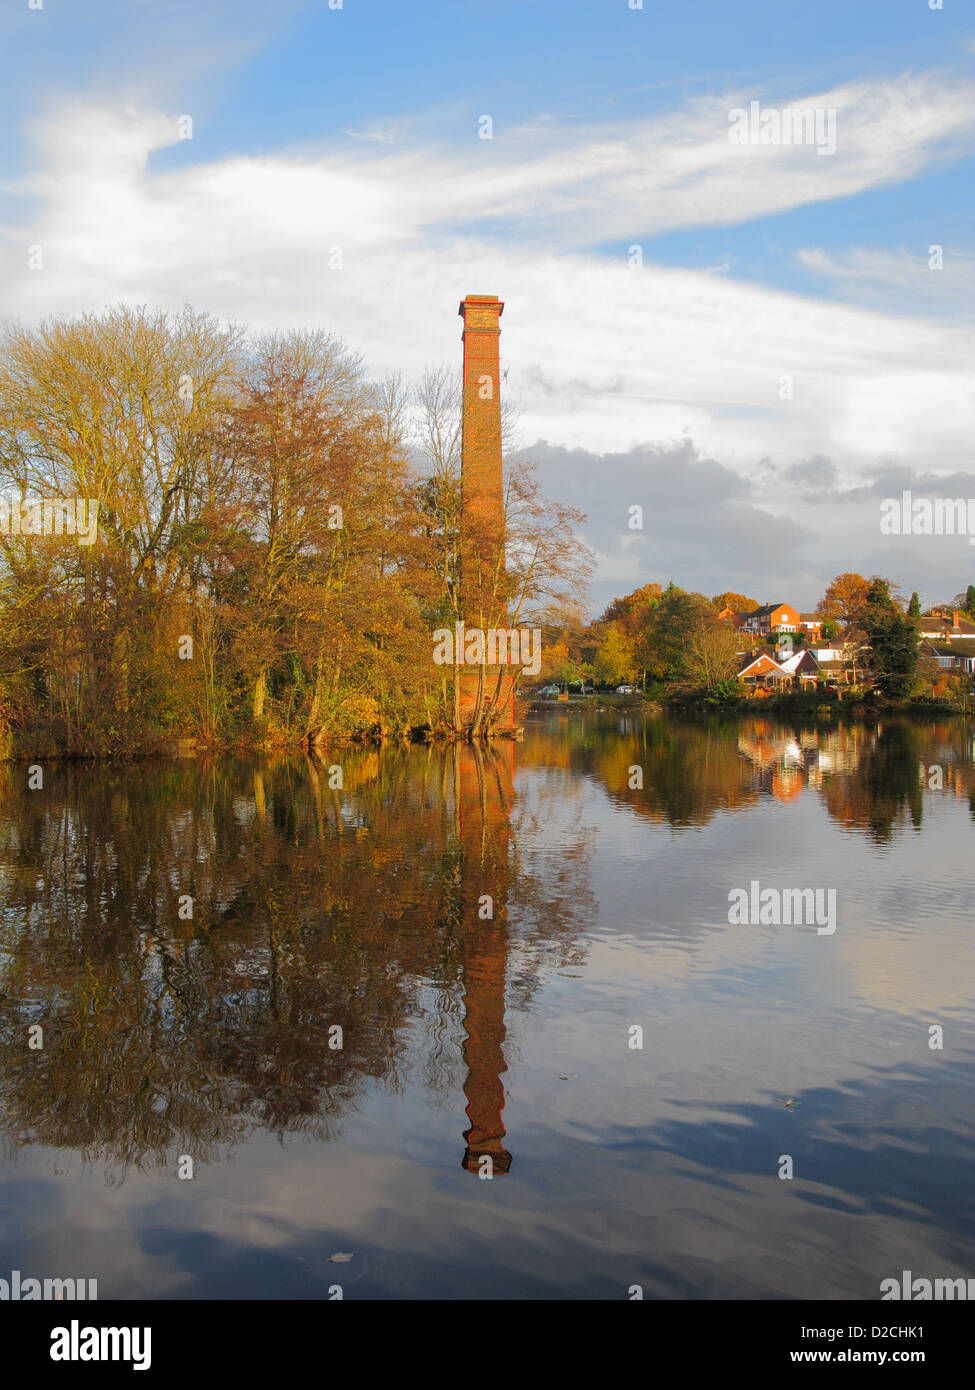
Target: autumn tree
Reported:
point(569, 643)
point(676, 644)
point(614, 661)
point(844, 597)
point(632, 614)
point(633, 611)
point(268, 559)
point(120, 410)
point(710, 651)
point(738, 603)
point(330, 555)
point(294, 435)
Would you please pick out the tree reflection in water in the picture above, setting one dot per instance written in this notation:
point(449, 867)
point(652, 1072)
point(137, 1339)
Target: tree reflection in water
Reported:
point(361, 907)
point(311, 907)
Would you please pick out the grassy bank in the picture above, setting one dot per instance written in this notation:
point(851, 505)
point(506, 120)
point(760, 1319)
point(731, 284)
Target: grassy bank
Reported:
point(820, 704)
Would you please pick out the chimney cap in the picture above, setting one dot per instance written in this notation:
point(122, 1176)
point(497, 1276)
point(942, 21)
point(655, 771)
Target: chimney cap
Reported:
point(477, 300)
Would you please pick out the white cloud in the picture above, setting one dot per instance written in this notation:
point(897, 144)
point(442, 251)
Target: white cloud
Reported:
point(899, 279)
point(604, 357)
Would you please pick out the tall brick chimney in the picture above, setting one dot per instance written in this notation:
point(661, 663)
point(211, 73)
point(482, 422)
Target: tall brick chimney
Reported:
point(481, 485)
point(487, 689)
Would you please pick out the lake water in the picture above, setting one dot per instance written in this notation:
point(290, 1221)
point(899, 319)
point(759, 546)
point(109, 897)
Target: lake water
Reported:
point(494, 933)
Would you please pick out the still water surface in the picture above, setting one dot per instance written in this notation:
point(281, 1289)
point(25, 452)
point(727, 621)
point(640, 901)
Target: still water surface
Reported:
point(471, 1042)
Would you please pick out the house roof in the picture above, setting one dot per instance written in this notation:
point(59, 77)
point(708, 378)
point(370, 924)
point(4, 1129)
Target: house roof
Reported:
point(767, 666)
point(766, 610)
point(932, 626)
point(801, 662)
point(962, 646)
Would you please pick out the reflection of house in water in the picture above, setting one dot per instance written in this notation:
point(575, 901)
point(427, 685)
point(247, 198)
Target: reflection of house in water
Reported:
point(483, 776)
point(947, 772)
point(786, 761)
point(840, 751)
point(780, 760)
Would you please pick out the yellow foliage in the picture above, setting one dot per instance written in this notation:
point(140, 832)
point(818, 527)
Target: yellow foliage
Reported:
point(357, 714)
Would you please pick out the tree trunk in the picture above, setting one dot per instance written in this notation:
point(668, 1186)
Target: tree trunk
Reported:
point(316, 700)
point(494, 710)
point(478, 720)
point(260, 693)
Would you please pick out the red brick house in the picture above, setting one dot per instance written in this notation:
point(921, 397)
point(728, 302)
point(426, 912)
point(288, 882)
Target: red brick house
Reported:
point(958, 656)
point(812, 625)
point(803, 668)
point(766, 673)
point(771, 617)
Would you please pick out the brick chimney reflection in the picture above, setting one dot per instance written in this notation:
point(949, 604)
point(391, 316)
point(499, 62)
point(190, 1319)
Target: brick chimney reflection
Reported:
point(483, 782)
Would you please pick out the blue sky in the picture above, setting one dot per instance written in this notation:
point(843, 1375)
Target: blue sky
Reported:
point(316, 127)
point(258, 84)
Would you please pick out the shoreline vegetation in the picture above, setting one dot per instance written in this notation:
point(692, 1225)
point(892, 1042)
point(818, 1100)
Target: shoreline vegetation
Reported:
point(797, 703)
point(799, 707)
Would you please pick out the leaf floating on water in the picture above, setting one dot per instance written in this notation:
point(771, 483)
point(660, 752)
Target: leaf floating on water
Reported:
point(570, 1077)
point(342, 1257)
